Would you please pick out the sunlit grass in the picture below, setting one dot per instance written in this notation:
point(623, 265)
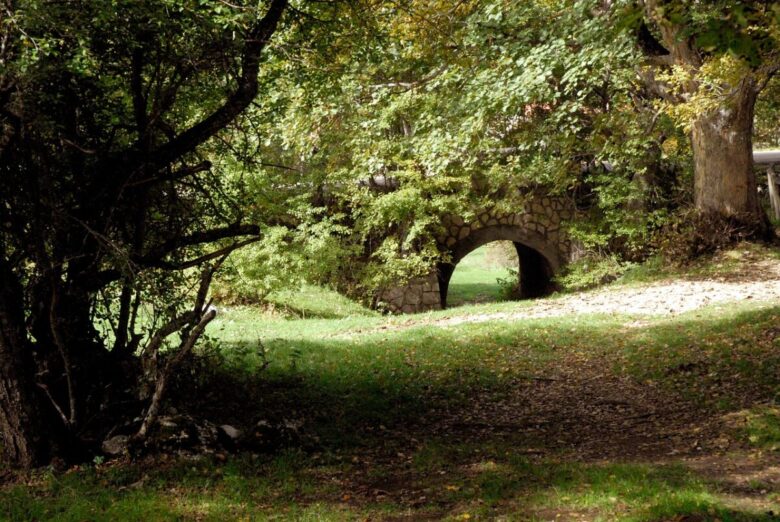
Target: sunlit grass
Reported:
point(476, 279)
point(462, 482)
point(359, 378)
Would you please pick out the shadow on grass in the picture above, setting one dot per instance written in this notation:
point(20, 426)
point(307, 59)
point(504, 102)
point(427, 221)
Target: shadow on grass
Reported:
point(402, 378)
point(373, 402)
point(455, 483)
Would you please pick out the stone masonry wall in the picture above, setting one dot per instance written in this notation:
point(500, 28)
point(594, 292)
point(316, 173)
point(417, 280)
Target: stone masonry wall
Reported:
point(536, 225)
point(420, 294)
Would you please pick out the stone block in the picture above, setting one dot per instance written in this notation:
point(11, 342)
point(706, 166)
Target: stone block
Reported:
point(451, 241)
point(393, 294)
point(491, 222)
point(430, 298)
point(464, 232)
point(413, 299)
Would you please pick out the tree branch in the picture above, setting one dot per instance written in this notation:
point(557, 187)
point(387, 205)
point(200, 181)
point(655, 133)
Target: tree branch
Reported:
point(183, 172)
point(199, 313)
point(162, 379)
point(136, 86)
point(245, 92)
point(204, 258)
point(197, 238)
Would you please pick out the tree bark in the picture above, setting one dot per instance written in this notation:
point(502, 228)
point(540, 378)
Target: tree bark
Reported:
point(22, 443)
point(724, 181)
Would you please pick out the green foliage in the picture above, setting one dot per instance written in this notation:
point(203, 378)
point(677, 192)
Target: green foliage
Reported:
point(746, 30)
point(398, 129)
point(509, 286)
point(767, 132)
point(285, 258)
point(592, 271)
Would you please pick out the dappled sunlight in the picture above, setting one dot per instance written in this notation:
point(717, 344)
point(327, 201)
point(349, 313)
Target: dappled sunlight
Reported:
point(434, 417)
point(548, 417)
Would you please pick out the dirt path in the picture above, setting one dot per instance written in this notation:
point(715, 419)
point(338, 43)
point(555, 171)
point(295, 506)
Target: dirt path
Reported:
point(753, 281)
point(577, 412)
point(581, 410)
point(658, 299)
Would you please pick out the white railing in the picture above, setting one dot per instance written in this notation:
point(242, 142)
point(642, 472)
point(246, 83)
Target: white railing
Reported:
point(769, 159)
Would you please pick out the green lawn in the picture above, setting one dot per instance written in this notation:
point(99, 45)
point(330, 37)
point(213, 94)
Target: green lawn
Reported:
point(476, 277)
point(406, 420)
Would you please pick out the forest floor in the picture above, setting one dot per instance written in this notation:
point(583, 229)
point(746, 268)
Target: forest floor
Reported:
point(651, 399)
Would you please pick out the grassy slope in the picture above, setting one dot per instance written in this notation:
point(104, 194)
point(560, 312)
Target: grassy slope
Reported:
point(374, 397)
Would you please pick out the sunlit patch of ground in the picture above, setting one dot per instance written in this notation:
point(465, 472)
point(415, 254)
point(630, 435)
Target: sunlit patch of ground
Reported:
point(568, 416)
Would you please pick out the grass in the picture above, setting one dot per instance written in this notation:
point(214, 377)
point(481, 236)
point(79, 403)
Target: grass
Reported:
point(461, 482)
point(377, 393)
point(476, 277)
point(729, 263)
point(315, 302)
point(760, 425)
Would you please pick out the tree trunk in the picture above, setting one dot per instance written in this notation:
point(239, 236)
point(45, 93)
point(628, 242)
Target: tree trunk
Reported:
point(724, 181)
point(20, 427)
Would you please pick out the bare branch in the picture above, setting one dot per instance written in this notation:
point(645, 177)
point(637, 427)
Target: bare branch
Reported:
point(162, 379)
point(155, 256)
point(240, 99)
point(53, 403)
point(60, 344)
point(206, 257)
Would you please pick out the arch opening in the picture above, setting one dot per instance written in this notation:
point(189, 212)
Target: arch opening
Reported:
point(487, 274)
point(535, 266)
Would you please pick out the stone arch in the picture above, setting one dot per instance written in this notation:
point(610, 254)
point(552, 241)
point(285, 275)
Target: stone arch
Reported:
point(535, 228)
point(538, 259)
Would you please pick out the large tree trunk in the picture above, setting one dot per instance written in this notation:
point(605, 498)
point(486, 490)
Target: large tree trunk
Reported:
point(20, 426)
point(724, 181)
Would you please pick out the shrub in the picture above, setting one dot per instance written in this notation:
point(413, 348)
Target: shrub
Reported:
point(692, 234)
point(592, 271)
point(509, 285)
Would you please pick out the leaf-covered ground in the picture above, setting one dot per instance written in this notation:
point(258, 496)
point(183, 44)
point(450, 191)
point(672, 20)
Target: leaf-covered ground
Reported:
point(577, 416)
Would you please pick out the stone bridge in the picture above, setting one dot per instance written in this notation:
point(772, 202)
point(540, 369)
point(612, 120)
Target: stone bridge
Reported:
point(535, 229)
